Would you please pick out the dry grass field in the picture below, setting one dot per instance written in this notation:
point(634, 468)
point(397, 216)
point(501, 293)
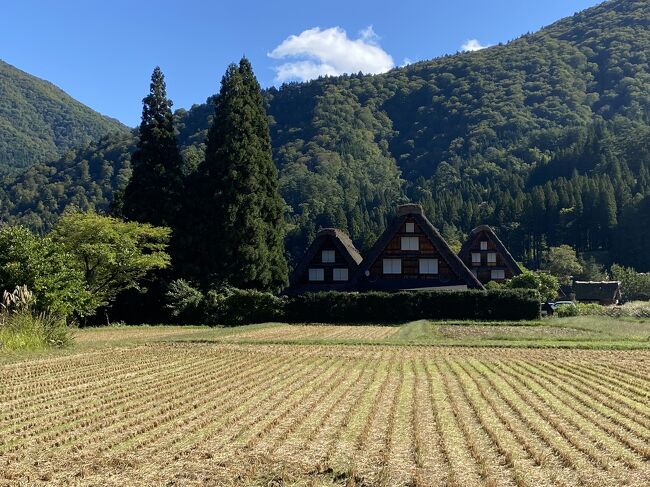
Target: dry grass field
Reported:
point(180, 413)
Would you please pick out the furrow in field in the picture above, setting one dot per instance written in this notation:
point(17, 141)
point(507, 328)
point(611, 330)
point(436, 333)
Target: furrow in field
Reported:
point(623, 375)
point(576, 448)
point(400, 456)
point(75, 379)
point(71, 368)
point(383, 475)
point(200, 419)
point(309, 441)
point(241, 413)
point(299, 425)
point(80, 415)
point(464, 470)
point(631, 434)
point(164, 437)
point(280, 420)
point(117, 387)
point(344, 456)
point(492, 463)
point(573, 464)
point(149, 422)
point(610, 380)
point(522, 449)
point(374, 439)
point(624, 406)
point(321, 448)
point(432, 464)
point(614, 456)
point(515, 458)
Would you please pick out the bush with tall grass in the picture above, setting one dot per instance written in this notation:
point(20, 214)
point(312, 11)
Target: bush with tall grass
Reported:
point(21, 328)
point(633, 309)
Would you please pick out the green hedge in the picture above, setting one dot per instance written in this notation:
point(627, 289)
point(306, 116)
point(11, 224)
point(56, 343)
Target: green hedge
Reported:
point(231, 307)
point(377, 307)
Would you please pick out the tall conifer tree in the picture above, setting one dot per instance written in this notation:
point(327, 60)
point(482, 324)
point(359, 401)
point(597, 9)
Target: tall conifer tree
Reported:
point(153, 194)
point(240, 215)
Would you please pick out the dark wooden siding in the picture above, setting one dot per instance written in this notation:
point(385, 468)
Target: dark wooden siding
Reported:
point(410, 258)
point(484, 270)
point(317, 263)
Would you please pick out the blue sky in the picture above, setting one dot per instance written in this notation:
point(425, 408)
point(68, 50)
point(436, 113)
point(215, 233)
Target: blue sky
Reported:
point(102, 52)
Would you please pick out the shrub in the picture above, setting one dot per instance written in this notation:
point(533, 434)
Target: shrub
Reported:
point(230, 306)
point(566, 310)
point(634, 285)
point(184, 302)
point(25, 330)
point(634, 309)
point(591, 309)
point(546, 284)
point(378, 307)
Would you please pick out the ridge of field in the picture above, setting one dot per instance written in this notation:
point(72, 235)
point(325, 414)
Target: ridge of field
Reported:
point(576, 332)
point(239, 414)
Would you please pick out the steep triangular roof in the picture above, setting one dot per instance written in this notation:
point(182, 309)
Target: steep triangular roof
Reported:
point(415, 211)
point(466, 248)
point(343, 244)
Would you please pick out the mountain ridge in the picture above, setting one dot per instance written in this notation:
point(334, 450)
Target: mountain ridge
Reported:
point(40, 122)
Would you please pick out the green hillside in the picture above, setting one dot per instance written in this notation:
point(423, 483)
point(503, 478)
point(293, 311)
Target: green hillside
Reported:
point(39, 122)
point(547, 138)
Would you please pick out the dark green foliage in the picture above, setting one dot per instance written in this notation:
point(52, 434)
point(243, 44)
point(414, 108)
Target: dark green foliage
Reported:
point(545, 284)
point(154, 192)
point(632, 240)
point(85, 179)
point(184, 302)
point(231, 307)
point(236, 222)
point(376, 307)
point(566, 310)
point(39, 122)
point(634, 285)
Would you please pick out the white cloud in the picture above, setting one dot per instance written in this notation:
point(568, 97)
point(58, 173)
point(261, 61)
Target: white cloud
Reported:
point(330, 52)
point(473, 45)
point(406, 62)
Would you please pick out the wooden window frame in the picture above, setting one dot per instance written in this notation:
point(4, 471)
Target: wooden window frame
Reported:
point(340, 270)
point(316, 270)
point(429, 262)
point(409, 239)
point(329, 252)
point(392, 262)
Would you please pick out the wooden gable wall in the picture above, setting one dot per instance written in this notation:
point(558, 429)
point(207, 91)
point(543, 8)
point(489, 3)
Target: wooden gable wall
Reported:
point(326, 243)
point(410, 258)
point(483, 271)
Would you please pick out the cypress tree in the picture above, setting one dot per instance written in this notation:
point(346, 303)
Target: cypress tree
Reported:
point(240, 215)
point(154, 191)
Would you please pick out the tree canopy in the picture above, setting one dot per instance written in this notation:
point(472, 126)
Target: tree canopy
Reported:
point(112, 255)
point(237, 217)
point(153, 194)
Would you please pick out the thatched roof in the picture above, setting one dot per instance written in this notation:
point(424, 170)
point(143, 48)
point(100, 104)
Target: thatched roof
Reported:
point(466, 248)
point(415, 211)
point(343, 244)
point(596, 290)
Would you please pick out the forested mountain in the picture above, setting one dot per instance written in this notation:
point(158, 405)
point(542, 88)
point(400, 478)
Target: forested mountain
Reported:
point(39, 122)
point(547, 138)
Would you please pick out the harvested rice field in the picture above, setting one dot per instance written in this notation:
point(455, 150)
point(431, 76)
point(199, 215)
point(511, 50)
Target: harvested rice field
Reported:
point(317, 332)
point(183, 413)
